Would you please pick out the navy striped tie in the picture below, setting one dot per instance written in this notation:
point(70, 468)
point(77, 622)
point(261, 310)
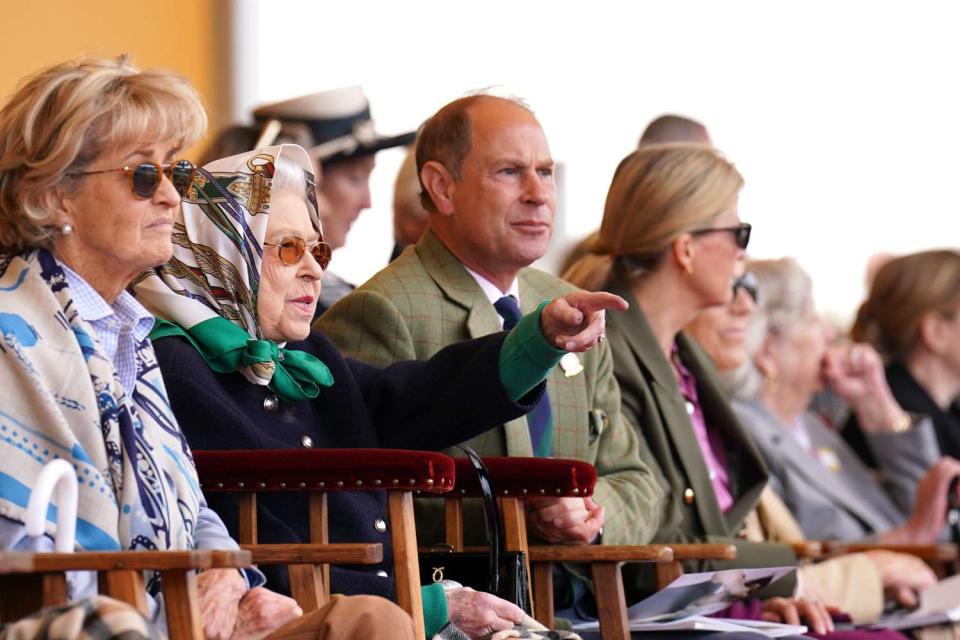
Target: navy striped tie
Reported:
point(540, 419)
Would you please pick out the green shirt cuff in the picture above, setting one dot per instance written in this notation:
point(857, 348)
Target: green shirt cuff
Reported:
point(435, 613)
point(526, 357)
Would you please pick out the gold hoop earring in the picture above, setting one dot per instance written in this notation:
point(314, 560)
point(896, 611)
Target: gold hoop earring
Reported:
point(770, 382)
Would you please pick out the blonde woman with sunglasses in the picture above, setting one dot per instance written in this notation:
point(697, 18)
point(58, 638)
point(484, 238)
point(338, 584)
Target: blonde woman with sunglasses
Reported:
point(670, 243)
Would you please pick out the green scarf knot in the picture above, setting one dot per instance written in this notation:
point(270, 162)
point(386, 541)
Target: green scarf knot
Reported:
point(296, 375)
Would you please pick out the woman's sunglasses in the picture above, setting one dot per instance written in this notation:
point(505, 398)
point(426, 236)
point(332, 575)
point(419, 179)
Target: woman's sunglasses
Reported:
point(292, 248)
point(741, 233)
point(146, 176)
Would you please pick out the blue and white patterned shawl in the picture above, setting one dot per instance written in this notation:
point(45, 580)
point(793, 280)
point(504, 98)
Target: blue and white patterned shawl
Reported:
point(62, 399)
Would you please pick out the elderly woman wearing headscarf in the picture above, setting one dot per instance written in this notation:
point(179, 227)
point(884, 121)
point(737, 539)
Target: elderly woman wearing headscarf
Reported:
point(237, 299)
point(89, 186)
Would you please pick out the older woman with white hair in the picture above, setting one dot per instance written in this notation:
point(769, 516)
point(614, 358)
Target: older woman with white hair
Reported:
point(236, 301)
point(828, 489)
point(90, 182)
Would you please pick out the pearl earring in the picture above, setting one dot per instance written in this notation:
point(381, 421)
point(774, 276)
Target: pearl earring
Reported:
point(66, 229)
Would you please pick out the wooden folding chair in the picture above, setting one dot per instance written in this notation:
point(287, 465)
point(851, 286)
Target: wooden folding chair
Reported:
point(515, 479)
point(31, 581)
point(317, 472)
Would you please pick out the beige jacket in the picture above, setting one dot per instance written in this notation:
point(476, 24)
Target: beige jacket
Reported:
point(852, 580)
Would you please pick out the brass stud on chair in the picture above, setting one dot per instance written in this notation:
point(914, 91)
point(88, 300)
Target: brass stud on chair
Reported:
point(339, 483)
point(543, 492)
point(576, 491)
point(283, 485)
point(429, 482)
point(262, 485)
point(219, 485)
point(303, 485)
point(396, 481)
point(359, 483)
point(378, 482)
point(321, 484)
point(240, 485)
point(413, 481)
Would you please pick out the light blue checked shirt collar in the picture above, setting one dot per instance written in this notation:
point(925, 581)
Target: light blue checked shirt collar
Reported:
point(120, 327)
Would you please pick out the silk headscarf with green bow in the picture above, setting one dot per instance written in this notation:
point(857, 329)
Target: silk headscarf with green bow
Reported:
point(208, 290)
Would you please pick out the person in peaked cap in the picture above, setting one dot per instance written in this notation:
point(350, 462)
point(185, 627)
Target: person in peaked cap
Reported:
point(344, 143)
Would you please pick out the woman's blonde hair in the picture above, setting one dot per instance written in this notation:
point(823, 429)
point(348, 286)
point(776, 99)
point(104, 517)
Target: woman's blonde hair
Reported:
point(658, 193)
point(64, 117)
point(903, 291)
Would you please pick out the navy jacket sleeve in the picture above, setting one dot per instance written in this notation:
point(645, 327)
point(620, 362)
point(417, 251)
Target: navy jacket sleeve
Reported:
point(419, 405)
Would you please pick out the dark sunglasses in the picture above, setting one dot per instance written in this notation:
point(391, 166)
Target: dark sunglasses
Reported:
point(292, 248)
point(146, 176)
point(747, 282)
point(741, 233)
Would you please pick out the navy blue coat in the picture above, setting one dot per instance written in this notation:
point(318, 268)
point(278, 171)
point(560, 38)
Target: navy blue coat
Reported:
point(427, 405)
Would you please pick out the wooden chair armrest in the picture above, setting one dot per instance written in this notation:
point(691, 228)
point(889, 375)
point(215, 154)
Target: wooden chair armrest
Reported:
point(703, 551)
point(808, 550)
point(520, 477)
point(939, 552)
point(341, 553)
point(27, 562)
point(601, 553)
point(260, 470)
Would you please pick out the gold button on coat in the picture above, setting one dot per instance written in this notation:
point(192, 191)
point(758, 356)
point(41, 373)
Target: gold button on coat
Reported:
point(306, 441)
point(380, 525)
point(688, 495)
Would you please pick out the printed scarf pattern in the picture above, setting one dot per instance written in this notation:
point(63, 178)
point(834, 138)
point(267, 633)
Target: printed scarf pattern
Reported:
point(138, 486)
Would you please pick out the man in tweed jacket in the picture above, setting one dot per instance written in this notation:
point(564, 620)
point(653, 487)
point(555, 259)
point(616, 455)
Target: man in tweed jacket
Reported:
point(487, 179)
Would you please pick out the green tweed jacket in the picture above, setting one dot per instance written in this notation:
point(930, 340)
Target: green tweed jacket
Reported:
point(652, 402)
point(426, 300)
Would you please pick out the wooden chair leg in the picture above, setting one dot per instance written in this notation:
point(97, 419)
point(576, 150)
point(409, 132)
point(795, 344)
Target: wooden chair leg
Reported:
point(182, 605)
point(320, 533)
point(611, 602)
point(247, 526)
point(127, 586)
point(306, 586)
point(543, 593)
point(453, 522)
point(667, 572)
point(54, 589)
point(403, 534)
point(515, 531)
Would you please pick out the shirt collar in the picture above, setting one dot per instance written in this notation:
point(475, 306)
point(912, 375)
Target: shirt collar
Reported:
point(491, 290)
point(93, 308)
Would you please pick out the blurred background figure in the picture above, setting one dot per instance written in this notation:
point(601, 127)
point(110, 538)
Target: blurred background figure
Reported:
point(674, 128)
point(912, 317)
point(345, 144)
point(832, 494)
point(662, 129)
point(241, 138)
point(410, 219)
point(857, 583)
